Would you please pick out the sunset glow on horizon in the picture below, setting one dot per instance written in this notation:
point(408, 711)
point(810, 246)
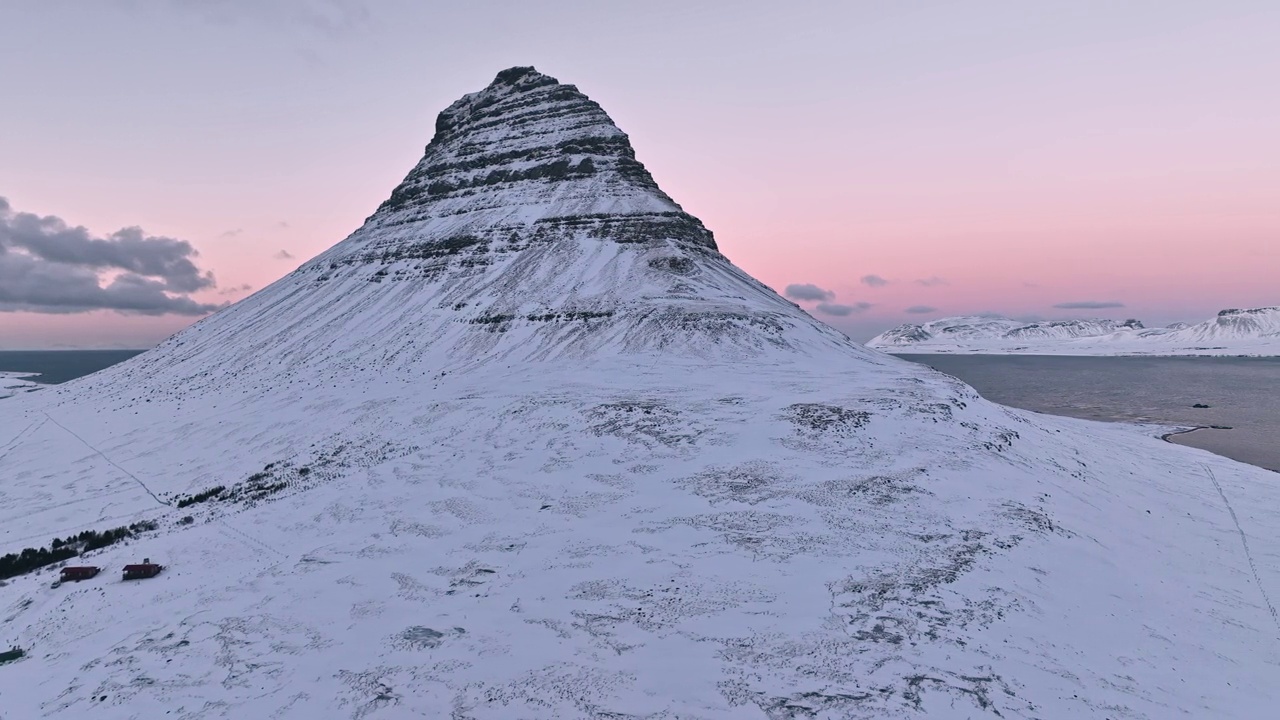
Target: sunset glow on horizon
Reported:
point(915, 161)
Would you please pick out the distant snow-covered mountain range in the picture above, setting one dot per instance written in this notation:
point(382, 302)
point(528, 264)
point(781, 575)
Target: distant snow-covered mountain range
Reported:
point(1253, 331)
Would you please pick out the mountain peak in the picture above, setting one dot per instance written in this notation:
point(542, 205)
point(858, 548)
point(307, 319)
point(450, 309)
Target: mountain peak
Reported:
point(512, 75)
point(529, 140)
point(527, 231)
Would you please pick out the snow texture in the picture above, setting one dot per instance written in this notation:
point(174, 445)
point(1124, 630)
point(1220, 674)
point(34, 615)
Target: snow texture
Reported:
point(1253, 331)
point(525, 445)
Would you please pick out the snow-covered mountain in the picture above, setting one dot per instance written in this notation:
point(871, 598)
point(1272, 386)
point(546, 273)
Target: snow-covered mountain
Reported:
point(526, 445)
point(1233, 332)
point(1234, 325)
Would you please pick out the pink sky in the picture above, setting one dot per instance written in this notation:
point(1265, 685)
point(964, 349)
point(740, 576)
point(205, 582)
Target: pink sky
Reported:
point(1025, 154)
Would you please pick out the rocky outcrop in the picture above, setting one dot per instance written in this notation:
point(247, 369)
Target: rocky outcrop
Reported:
point(1259, 322)
point(521, 163)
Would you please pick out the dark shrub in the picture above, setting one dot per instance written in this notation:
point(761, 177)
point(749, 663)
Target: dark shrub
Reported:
point(201, 496)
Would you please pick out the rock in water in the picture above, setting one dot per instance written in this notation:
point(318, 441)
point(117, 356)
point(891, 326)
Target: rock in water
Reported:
point(526, 445)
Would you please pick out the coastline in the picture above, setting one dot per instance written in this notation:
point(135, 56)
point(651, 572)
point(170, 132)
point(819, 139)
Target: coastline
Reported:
point(1168, 437)
point(14, 383)
point(1057, 352)
point(1166, 392)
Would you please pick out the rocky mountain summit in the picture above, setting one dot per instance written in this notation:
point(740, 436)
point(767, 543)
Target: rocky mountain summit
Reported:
point(1237, 324)
point(528, 230)
point(1232, 332)
point(526, 445)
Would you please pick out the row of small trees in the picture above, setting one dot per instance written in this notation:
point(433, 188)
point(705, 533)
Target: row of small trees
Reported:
point(200, 497)
point(29, 559)
point(60, 549)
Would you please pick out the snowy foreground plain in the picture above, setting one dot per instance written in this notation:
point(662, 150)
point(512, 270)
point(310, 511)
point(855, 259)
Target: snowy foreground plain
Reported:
point(1251, 332)
point(570, 475)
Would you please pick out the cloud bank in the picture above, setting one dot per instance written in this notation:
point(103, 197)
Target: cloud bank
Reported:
point(808, 292)
point(48, 267)
point(921, 309)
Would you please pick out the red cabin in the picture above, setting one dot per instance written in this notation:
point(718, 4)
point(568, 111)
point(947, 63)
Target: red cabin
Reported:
point(145, 569)
point(82, 572)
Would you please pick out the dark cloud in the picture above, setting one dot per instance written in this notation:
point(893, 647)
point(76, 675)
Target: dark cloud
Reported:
point(873, 281)
point(808, 291)
point(932, 281)
point(46, 266)
point(843, 310)
point(1088, 305)
point(48, 238)
point(231, 233)
point(283, 255)
point(921, 309)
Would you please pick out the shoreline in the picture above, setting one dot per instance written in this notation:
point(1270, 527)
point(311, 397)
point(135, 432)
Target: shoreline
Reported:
point(907, 350)
point(1166, 392)
point(16, 383)
point(1169, 436)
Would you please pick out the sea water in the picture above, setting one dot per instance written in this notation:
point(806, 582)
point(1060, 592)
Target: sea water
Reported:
point(59, 366)
point(1242, 394)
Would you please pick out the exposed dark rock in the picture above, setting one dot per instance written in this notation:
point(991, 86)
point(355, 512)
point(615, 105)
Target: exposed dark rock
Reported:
point(527, 129)
point(827, 418)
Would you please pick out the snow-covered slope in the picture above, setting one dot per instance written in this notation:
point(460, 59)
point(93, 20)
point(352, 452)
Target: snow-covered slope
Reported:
point(526, 445)
point(1233, 332)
